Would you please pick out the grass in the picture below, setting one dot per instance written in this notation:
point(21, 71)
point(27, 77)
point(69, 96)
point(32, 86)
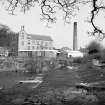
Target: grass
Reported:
point(62, 78)
point(89, 73)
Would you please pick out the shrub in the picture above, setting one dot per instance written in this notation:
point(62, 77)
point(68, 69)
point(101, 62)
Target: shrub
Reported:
point(94, 47)
point(64, 96)
point(78, 60)
point(101, 97)
point(52, 96)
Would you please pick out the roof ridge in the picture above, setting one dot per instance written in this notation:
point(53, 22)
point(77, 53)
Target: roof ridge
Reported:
point(41, 37)
point(38, 35)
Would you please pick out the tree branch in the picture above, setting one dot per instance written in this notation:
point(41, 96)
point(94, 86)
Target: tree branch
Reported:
point(94, 12)
point(49, 10)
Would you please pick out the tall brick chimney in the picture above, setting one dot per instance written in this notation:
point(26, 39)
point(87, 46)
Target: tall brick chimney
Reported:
point(75, 36)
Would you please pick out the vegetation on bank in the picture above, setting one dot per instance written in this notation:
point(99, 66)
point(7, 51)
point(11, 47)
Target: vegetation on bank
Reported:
point(58, 87)
point(21, 95)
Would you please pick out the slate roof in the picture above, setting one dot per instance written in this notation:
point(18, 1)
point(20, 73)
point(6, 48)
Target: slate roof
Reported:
point(40, 37)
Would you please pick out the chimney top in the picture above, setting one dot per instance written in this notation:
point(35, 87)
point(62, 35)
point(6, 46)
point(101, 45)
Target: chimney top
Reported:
point(75, 23)
point(22, 28)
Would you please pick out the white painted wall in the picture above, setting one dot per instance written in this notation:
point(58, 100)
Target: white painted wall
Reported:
point(75, 54)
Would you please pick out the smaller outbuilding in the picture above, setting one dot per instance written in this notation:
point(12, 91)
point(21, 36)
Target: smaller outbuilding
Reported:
point(75, 54)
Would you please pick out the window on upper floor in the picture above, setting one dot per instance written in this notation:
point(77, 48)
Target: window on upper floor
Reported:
point(38, 47)
point(33, 41)
point(22, 43)
point(28, 43)
point(46, 44)
point(50, 44)
point(41, 47)
point(42, 42)
point(22, 35)
point(38, 42)
point(33, 47)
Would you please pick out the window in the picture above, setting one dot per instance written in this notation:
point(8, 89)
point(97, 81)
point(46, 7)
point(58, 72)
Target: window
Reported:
point(38, 42)
point(22, 43)
point(41, 47)
point(50, 43)
point(33, 47)
point(38, 47)
point(46, 44)
point(42, 42)
point(28, 47)
point(28, 42)
point(33, 41)
point(22, 35)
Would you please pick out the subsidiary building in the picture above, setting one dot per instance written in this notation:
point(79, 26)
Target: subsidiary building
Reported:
point(34, 45)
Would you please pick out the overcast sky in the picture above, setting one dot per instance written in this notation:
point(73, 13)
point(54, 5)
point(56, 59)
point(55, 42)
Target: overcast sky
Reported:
point(61, 34)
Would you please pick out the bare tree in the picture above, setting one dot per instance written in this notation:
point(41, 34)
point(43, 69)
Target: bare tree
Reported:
point(49, 10)
point(97, 6)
